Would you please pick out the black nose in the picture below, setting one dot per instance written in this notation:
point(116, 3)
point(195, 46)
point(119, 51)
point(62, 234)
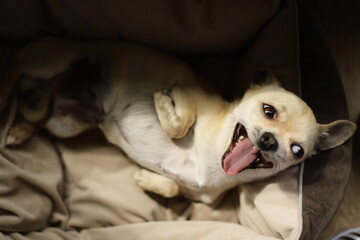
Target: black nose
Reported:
point(268, 142)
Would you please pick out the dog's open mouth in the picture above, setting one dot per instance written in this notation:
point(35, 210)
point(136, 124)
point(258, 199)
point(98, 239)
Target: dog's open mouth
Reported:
point(242, 154)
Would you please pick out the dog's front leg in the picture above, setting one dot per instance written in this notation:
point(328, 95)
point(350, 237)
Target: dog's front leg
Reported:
point(176, 111)
point(156, 183)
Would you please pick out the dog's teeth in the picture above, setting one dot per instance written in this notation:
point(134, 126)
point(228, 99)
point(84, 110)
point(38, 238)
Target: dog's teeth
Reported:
point(241, 137)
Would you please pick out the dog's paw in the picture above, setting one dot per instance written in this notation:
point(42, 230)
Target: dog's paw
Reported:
point(165, 103)
point(20, 133)
point(175, 110)
point(156, 183)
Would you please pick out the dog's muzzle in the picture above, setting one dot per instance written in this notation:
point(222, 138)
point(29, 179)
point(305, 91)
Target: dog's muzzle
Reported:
point(242, 154)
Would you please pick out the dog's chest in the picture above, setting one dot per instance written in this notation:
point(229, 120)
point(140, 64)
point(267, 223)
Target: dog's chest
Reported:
point(137, 131)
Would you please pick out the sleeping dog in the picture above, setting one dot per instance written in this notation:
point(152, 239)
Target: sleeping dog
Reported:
point(161, 114)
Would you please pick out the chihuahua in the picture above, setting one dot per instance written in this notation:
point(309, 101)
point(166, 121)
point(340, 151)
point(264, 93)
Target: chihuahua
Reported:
point(161, 114)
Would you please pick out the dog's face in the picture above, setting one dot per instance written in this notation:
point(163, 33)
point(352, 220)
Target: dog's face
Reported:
point(274, 129)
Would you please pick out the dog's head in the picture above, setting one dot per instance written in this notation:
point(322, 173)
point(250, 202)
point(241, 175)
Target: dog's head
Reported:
point(274, 129)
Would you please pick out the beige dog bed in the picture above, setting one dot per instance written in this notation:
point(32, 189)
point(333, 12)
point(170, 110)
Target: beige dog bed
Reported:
point(81, 188)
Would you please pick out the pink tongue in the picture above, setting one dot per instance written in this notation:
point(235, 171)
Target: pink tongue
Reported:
point(240, 157)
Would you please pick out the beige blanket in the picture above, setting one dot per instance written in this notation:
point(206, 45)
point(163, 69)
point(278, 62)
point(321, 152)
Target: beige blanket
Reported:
point(82, 188)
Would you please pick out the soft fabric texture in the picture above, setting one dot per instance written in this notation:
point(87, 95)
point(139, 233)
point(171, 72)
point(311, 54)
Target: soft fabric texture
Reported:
point(82, 188)
point(176, 26)
point(325, 175)
point(90, 188)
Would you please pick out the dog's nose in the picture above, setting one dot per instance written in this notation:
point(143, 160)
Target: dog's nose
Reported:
point(268, 142)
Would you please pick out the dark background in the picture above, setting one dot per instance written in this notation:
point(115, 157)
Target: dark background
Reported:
point(339, 22)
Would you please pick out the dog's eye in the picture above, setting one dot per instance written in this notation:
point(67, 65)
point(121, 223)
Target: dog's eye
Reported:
point(297, 150)
point(269, 110)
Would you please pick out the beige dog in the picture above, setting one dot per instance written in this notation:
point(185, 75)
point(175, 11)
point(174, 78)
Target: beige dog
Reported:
point(153, 107)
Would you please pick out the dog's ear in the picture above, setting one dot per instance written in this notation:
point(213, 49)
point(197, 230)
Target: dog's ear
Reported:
point(265, 77)
point(334, 134)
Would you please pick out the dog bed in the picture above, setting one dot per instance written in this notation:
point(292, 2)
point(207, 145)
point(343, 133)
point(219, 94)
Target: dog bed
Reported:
point(81, 188)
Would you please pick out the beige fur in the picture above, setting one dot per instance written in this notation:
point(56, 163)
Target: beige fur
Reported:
point(155, 110)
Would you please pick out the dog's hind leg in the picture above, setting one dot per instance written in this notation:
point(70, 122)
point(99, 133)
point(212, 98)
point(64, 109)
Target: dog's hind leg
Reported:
point(21, 132)
point(33, 109)
point(176, 111)
point(156, 183)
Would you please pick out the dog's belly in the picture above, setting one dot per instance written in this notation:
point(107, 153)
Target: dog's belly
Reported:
point(137, 131)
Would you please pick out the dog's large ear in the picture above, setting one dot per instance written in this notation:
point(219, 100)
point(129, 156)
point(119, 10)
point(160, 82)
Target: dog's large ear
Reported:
point(334, 134)
point(265, 77)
